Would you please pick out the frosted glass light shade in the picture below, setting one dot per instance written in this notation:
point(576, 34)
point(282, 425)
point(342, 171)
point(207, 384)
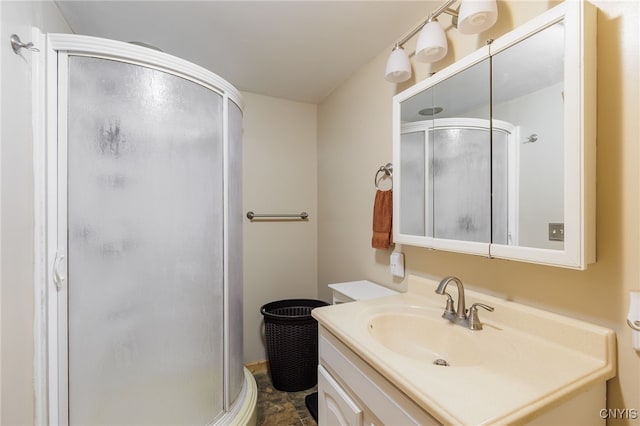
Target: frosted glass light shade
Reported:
point(398, 66)
point(432, 43)
point(476, 16)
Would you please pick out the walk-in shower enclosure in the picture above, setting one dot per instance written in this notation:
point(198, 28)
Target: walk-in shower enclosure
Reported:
point(141, 238)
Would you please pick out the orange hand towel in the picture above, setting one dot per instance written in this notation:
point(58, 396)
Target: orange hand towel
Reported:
point(382, 220)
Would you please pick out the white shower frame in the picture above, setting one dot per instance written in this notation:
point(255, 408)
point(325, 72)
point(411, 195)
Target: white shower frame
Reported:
point(50, 352)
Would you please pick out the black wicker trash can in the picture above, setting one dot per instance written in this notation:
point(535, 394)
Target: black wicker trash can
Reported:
point(292, 343)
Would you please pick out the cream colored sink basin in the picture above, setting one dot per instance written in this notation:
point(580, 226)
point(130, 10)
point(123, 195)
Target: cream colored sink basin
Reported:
point(523, 360)
point(423, 335)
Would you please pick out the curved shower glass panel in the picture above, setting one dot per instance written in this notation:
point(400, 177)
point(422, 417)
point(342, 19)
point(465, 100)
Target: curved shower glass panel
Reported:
point(460, 179)
point(234, 257)
point(145, 246)
point(147, 198)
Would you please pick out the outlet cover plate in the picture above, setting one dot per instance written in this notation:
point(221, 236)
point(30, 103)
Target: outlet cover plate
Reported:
point(397, 264)
point(556, 232)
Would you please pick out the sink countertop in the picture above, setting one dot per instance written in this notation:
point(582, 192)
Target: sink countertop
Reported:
point(527, 358)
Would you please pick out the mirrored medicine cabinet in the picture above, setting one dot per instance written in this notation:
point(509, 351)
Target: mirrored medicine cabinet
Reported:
point(495, 154)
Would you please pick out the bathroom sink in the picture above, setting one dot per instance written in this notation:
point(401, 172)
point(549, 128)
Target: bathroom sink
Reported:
point(522, 362)
point(423, 335)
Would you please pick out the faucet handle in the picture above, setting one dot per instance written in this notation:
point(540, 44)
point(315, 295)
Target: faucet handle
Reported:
point(474, 320)
point(449, 312)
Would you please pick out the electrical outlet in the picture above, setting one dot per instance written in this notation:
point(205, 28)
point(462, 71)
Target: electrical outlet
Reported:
point(556, 232)
point(397, 264)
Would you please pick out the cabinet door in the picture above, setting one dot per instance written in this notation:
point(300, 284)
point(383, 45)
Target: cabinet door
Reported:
point(544, 84)
point(334, 405)
point(442, 159)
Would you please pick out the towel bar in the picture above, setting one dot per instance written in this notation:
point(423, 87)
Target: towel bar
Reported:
point(387, 169)
point(252, 215)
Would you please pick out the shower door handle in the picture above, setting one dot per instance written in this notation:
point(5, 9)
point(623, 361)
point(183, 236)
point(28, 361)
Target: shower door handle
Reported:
point(58, 279)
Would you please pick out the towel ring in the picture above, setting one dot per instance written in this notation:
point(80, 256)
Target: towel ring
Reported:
point(635, 325)
point(387, 169)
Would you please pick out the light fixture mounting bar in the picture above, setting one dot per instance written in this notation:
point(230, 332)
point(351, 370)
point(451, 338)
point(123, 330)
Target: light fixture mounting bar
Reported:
point(444, 8)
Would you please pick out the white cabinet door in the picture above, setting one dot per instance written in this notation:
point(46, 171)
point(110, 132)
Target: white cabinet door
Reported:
point(334, 405)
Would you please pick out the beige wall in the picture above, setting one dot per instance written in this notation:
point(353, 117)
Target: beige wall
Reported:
point(280, 176)
point(354, 128)
point(17, 208)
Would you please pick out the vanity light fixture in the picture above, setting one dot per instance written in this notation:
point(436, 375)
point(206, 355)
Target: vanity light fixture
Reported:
point(432, 42)
point(476, 16)
point(398, 66)
point(471, 17)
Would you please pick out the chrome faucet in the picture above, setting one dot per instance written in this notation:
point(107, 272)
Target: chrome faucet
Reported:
point(459, 316)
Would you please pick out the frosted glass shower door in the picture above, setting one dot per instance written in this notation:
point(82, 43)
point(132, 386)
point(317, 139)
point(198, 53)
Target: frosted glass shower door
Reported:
point(145, 246)
point(460, 160)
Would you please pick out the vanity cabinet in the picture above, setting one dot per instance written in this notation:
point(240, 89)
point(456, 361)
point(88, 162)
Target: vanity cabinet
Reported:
point(352, 393)
point(495, 154)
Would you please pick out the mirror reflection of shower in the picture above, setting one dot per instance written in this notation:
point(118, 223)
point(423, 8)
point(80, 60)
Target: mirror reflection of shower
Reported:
point(453, 164)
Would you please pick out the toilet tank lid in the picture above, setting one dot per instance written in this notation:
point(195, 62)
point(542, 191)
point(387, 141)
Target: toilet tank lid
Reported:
point(362, 290)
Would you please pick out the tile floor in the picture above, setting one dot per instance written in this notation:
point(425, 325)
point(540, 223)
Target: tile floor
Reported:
point(277, 408)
